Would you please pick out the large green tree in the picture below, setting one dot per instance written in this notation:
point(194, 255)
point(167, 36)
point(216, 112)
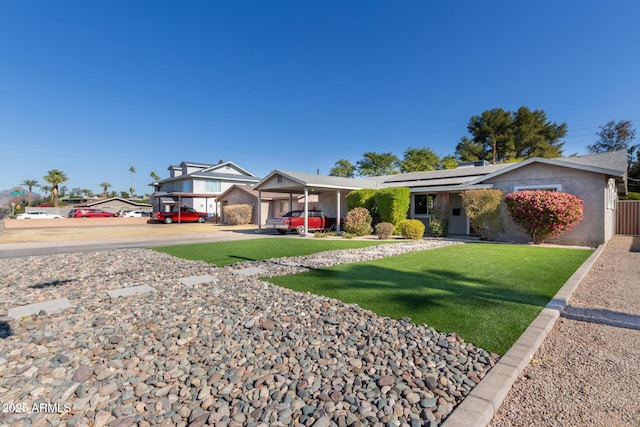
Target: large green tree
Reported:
point(30, 183)
point(55, 177)
point(500, 135)
point(418, 160)
point(448, 162)
point(377, 164)
point(615, 136)
point(343, 168)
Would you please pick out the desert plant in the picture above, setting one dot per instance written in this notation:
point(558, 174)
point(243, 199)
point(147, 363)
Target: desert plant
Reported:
point(358, 222)
point(544, 214)
point(411, 229)
point(385, 230)
point(238, 214)
point(483, 210)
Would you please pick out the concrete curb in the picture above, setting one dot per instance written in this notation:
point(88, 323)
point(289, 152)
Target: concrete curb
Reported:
point(479, 407)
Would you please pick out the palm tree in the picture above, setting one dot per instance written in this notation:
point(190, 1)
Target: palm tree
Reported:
point(105, 189)
point(55, 177)
point(30, 183)
point(133, 171)
point(46, 189)
point(154, 176)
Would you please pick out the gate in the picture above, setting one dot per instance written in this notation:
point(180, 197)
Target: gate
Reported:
point(628, 217)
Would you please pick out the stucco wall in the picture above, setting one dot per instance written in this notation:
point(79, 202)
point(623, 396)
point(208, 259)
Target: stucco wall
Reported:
point(328, 203)
point(238, 196)
point(278, 181)
point(201, 204)
point(589, 186)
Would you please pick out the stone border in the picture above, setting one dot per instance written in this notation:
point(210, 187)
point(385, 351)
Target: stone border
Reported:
point(479, 407)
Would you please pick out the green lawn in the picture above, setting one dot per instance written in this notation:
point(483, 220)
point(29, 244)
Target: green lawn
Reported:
point(487, 293)
point(223, 253)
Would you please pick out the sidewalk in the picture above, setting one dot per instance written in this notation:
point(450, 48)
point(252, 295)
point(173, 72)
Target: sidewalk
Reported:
point(586, 372)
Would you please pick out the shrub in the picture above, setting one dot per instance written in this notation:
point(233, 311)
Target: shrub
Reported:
point(385, 230)
point(483, 210)
point(323, 234)
point(392, 204)
point(631, 196)
point(411, 229)
point(439, 221)
point(360, 199)
point(238, 214)
point(358, 222)
point(544, 214)
point(438, 227)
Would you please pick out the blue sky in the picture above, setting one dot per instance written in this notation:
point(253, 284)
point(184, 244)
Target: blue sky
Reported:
point(93, 88)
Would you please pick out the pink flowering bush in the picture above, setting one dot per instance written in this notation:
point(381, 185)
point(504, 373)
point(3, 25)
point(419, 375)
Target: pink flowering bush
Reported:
point(544, 214)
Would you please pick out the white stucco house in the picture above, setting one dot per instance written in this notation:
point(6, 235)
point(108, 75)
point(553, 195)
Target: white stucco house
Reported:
point(596, 178)
point(198, 185)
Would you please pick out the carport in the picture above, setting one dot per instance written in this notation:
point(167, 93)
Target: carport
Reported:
point(294, 183)
point(167, 200)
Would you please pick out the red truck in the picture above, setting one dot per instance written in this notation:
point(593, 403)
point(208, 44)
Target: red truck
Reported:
point(185, 214)
point(294, 221)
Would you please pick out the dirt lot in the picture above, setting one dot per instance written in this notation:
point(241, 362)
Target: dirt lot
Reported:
point(20, 231)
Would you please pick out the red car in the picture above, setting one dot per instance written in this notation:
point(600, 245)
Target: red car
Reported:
point(186, 214)
point(90, 213)
point(294, 221)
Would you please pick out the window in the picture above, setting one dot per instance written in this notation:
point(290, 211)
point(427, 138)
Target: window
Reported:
point(424, 204)
point(542, 187)
point(212, 186)
point(186, 186)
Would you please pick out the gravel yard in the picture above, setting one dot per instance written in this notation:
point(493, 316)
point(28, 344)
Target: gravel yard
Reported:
point(232, 351)
point(587, 371)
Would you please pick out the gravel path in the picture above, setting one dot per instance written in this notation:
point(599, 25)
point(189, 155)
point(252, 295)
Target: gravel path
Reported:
point(587, 372)
point(234, 351)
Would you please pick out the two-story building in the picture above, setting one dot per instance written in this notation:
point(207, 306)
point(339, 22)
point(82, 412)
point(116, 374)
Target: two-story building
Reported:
point(198, 185)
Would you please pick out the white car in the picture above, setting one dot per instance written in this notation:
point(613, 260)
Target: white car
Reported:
point(37, 215)
point(135, 214)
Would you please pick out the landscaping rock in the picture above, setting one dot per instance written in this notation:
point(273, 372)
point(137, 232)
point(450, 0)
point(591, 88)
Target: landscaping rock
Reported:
point(230, 351)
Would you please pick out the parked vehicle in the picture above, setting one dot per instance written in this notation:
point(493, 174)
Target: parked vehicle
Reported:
point(37, 215)
point(90, 213)
point(185, 214)
point(134, 214)
point(294, 221)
